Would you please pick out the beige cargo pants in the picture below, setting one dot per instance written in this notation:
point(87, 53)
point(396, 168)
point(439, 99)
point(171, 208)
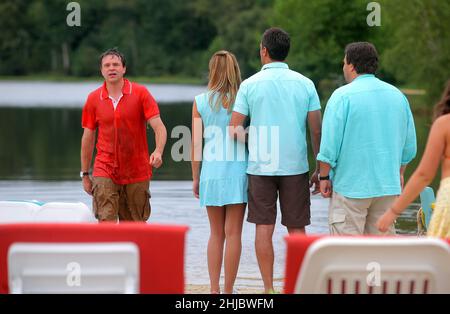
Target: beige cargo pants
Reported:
point(352, 216)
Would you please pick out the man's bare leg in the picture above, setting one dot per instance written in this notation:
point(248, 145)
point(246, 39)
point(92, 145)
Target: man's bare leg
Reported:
point(265, 254)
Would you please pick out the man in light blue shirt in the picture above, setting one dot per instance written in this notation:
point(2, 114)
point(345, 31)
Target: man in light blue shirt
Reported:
point(368, 138)
point(279, 102)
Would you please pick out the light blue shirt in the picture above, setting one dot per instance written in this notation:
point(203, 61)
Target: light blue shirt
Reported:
point(223, 179)
point(367, 135)
point(277, 100)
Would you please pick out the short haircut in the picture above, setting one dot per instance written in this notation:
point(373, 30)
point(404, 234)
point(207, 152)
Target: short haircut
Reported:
point(277, 43)
point(112, 52)
point(363, 56)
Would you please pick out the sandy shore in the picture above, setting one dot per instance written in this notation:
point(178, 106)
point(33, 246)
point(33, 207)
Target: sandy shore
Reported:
point(204, 289)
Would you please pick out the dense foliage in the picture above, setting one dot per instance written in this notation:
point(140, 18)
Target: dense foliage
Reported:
point(176, 37)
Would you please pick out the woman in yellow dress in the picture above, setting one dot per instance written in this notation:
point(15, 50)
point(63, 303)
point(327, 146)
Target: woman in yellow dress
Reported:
point(436, 151)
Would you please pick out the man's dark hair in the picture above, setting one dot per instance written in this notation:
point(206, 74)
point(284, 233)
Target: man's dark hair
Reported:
point(277, 43)
point(112, 52)
point(363, 56)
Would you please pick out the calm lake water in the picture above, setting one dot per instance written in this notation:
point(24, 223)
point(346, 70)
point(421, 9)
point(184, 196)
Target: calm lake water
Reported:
point(40, 159)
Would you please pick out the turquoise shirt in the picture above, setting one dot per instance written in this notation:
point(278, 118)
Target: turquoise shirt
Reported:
point(277, 100)
point(367, 135)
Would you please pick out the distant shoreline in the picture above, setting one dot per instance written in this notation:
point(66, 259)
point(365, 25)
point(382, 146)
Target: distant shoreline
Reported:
point(73, 94)
point(175, 80)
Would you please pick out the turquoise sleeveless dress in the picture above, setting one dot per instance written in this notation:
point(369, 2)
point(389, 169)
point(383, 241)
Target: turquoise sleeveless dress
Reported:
point(223, 177)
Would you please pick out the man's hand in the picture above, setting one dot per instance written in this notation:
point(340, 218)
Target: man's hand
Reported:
point(326, 188)
point(385, 222)
point(195, 188)
point(156, 159)
point(87, 185)
point(315, 181)
point(160, 140)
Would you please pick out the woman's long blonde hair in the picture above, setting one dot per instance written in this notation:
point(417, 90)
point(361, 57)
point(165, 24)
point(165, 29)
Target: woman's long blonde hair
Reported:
point(224, 80)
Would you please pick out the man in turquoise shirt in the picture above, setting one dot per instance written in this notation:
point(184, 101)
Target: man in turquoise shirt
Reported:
point(279, 102)
point(368, 138)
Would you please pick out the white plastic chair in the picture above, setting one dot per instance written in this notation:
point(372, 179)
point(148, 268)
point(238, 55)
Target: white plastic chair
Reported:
point(17, 211)
point(64, 212)
point(375, 265)
point(73, 268)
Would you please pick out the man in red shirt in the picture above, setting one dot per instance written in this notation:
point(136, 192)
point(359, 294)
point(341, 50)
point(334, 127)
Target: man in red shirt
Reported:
point(120, 111)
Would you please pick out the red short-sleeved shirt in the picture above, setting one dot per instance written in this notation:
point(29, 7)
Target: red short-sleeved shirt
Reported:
point(122, 149)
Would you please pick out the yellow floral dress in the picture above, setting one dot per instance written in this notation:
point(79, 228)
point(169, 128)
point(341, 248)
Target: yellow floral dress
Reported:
point(440, 220)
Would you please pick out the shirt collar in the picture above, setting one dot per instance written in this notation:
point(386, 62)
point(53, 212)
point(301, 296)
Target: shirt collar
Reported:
point(273, 65)
point(364, 76)
point(126, 89)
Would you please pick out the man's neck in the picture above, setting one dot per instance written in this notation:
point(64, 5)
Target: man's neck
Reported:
point(115, 89)
point(358, 75)
point(353, 77)
point(268, 61)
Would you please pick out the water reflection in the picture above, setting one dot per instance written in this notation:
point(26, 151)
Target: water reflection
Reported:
point(44, 143)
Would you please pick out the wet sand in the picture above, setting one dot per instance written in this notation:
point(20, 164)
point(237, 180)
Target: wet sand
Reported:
point(204, 289)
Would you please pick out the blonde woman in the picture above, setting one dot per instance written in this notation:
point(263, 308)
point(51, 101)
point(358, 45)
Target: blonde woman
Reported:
point(221, 184)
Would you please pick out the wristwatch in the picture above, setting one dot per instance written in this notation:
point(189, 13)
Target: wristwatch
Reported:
point(326, 178)
point(83, 174)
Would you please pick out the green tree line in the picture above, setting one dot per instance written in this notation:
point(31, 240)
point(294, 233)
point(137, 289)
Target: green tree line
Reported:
point(177, 37)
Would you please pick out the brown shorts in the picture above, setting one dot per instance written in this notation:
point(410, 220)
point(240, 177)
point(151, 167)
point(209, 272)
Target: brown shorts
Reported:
point(130, 202)
point(294, 200)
